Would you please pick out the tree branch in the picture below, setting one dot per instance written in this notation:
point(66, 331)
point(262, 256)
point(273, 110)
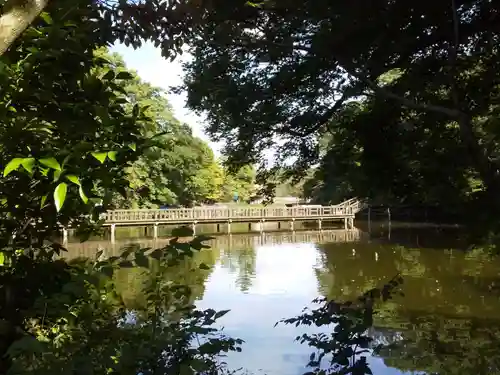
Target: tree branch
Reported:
point(347, 93)
point(451, 112)
point(17, 15)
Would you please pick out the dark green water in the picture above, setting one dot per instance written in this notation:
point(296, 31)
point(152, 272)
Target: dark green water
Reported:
point(448, 322)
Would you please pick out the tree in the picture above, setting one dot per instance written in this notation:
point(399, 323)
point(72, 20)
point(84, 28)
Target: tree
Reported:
point(291, 69)
point(68, 135)
point(16, 16)
point(178, 167)
point(240, 182)
point(167, 23)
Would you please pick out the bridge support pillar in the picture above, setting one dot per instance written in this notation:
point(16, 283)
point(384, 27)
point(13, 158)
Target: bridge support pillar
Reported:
point(261, 226)
point(193, 227)
point(155, 231)
point(345, 223)
point(65, 236)
point(279, 224)
point(113, 228)
point(292, 225)
point(229, 226)
point(319, 224)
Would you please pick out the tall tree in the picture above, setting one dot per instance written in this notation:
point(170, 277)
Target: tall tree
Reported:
point(178, 167)
point(289, 69)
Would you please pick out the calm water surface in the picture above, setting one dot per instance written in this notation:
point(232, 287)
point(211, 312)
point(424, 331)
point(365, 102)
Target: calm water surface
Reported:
point(448, 322)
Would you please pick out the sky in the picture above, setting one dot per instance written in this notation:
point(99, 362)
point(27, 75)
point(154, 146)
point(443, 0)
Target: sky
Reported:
point(160, 72)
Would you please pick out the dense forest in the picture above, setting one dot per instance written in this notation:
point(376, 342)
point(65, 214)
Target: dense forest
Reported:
point(395, 101)
point(177, 168)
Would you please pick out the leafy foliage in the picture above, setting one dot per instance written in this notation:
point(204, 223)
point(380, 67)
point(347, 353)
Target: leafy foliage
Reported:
point(396, 100)
point(341, 351)
point(177, 168)
point(69, 133)
point(65, 329)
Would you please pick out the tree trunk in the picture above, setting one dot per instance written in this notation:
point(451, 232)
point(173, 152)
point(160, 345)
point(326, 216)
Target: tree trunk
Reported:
point(16, 16)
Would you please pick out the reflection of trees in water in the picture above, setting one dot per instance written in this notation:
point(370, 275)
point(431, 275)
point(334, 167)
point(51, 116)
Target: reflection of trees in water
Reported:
point(243, 262)
point(440, 345)
point(434, 280)
point(447, 322)
point(130, 282)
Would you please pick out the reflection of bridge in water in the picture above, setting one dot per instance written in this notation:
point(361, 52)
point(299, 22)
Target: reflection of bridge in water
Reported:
point(244, 240)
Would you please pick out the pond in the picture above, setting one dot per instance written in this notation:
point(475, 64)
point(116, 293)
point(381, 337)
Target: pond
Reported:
point(447, 322)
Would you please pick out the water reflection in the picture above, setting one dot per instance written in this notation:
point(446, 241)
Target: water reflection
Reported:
point(447, 322)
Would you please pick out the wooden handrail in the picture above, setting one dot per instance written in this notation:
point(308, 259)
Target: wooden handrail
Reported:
point(216, 213)
point(210, 214)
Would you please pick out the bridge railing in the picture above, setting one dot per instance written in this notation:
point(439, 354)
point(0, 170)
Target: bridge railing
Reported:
point(213, 214)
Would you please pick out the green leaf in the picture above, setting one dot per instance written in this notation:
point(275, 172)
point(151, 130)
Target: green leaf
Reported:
point(112, 155)
point(220, 314)
point(141, 260)
point(74, 179)
point(57, 174)
point(12, 166)
point(124, 75)
point(83, 197)
point(46, 17)
point(28, 164)
point(101, 156)
point(132, 146)
point(51, 163)
point(44, 199)
point(60, 195)
point(2, 258)
point(135, 110)
point(109, 75)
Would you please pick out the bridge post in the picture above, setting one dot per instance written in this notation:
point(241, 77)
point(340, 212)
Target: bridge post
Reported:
point(319, 224)
point(65, 236)
point(261, 226)
point(229, 226)
point(369, 220)
point(113, 227)
point(345, 223)
point(292, 225)
point(194, 228)
point(155, 231)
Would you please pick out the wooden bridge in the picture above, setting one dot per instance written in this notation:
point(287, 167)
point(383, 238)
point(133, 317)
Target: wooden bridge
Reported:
point(344, 211)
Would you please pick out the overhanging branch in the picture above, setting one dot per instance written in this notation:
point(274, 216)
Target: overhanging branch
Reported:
point(16, 16)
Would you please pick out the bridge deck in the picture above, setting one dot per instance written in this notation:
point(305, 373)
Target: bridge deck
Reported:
point(221, 215)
